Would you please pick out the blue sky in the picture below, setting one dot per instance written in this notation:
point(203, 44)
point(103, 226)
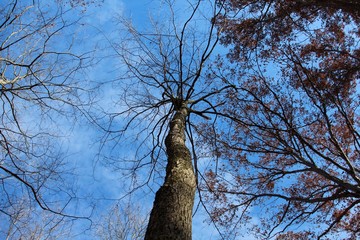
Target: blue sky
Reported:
point(111, 184)
point(97, 183)
point(110, 181)
point(95, 178)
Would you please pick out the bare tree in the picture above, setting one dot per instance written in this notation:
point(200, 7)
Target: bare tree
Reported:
point(122, 223)
point(164, 94)
point(25, 223)
point(37, 88)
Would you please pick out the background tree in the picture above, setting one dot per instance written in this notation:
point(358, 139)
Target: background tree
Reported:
point(122, 223)
point(26, 223)
point(37, 90)
point(289, 143)
point(164, 94)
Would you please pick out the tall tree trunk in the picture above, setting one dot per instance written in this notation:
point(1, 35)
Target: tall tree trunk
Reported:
point(171, 216)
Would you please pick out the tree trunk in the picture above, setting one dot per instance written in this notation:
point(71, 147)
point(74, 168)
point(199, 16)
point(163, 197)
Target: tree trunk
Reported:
point(171, 216)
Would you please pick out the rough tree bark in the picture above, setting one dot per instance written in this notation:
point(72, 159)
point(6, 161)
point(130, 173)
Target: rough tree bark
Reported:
point(171, 216)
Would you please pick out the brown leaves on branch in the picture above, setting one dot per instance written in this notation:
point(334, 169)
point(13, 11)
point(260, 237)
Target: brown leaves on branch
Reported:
point(292, 155)
point(290, 139)
point(322, 35)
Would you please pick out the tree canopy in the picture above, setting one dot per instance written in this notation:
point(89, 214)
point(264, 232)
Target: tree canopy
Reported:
point(290, 140)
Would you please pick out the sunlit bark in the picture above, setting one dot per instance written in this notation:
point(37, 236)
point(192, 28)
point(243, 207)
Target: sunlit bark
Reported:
point(171, 216)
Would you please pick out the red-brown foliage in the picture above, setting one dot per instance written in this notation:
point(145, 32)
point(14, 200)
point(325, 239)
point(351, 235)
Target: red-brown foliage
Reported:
point(321, 36)
point(290, 139)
